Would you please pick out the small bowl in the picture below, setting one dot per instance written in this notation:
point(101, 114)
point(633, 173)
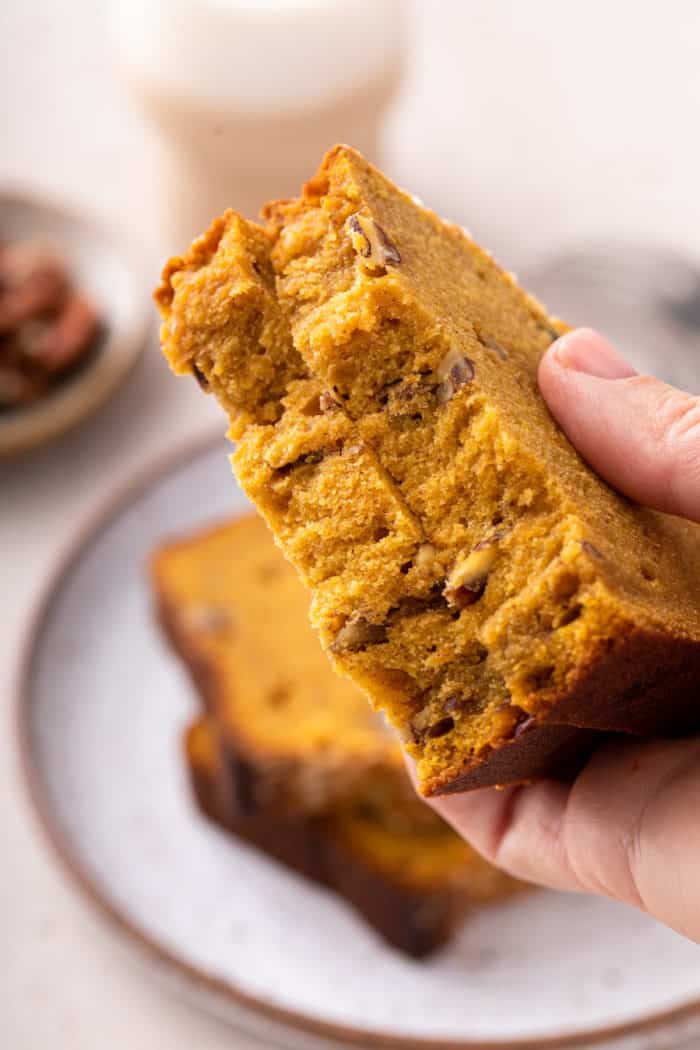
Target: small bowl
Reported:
point(102, 267)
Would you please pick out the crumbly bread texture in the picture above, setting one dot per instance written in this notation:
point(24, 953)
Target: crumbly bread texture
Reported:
point(412, 881)
point(489, 593)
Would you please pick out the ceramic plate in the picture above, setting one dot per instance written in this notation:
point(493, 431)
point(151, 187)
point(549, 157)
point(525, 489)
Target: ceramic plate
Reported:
point(102, 708)
point(101, 266)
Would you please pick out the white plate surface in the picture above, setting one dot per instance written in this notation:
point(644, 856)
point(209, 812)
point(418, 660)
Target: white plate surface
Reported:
point(104, 709)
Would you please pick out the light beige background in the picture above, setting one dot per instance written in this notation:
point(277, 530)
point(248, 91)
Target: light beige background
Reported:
point(534, 124)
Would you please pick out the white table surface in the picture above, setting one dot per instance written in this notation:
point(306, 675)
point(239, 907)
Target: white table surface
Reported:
point(532, 124)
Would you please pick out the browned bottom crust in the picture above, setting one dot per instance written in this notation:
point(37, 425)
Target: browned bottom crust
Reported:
point(643, 683)
point(624, 690)
point(416, 923)
point(559, 752)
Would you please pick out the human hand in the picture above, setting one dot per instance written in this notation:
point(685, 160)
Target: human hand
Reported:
point(628, 825)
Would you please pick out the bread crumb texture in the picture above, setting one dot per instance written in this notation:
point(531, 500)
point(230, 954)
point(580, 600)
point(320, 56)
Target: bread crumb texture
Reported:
point(478, 581)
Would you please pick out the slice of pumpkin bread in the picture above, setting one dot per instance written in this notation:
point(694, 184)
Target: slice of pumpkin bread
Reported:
point(301, 739)
point(467, 569)
point(412, 879)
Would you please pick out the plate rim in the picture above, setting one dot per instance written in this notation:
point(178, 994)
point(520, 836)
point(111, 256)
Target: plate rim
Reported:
point(49, 418)
point(117, 918)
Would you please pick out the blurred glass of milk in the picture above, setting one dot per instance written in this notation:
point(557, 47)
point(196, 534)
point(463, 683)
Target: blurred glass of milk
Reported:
point(246, 95)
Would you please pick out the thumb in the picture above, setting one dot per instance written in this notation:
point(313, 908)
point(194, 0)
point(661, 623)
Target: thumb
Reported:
point(639, 434)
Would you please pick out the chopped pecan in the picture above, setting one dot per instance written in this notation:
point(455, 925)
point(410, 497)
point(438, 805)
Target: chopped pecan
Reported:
point(441, 728)
point(456, 702)
point(454, 371)
point(524, 725)
point(371, 242)
point(16, 388)
point(357, 634)
point(588, 548)
point(306, 459)
point(412, 605)
point(425, 558)
point(33, 280)
point(327, 402)
point(467, 581)
point(57, 342)
point(200, 377)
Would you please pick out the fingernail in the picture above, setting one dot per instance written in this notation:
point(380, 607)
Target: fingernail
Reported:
point(584, 350)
